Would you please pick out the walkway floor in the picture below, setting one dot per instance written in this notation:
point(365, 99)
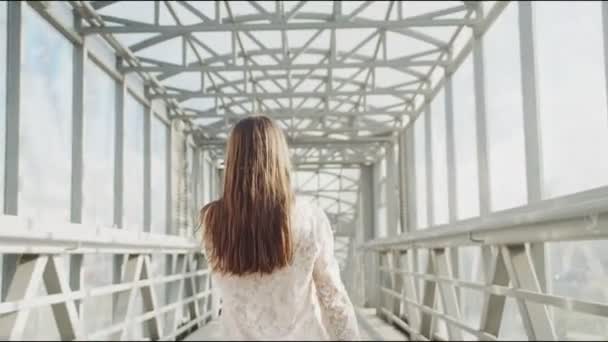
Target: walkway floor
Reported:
point(371, 326)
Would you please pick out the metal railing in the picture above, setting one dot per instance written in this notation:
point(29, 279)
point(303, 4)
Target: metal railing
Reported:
point(418, 273)
point(50, 256)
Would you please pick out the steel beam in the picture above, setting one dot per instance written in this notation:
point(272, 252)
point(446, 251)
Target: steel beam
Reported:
point(65, 313)
point(184, 95)
point(227, 26)
point(443, 265)
point(495, 273)
point(288, 114)
point(317, 141)
point(154, 326)
point(398, 63)
point(523, 275)
point(428, 300)
point(411, 289)
point(24, 285)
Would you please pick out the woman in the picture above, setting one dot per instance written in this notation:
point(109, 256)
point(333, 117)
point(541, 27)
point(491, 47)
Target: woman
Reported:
point(272, 255)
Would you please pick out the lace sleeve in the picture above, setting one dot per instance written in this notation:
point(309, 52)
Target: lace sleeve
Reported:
point(337, 309)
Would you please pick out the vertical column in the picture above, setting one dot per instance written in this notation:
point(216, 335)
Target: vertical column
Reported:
point(211, 181)
point(429, 164)
point(411, 177)
point(220, 181)
point(480, 120)
point(121, 90)
point(169, 177)
point(451, 165)
point(118, 153)
point(78, 94)
point(147, 169)
point(605, 28)
point(367, 219)
point(13, 85)
point(196, 178)
point(378, 193)
point(531, 124)
point(201, 181)
point(13, 100)
point(178, 172)
point(80, 57)
point(530, 102)
point(204, 190)
point(391, 187)
point(451, 150)
point(403, 184)
point(367, 202)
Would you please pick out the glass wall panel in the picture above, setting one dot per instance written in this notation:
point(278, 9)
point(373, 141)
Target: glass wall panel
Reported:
point(420, 172)
point(98, 191)
point(159, 173)
point(465, 135)
point(440, 162)
point(133, 215)
point(45, 134)
point(45, 131)
point(2, 98)
point(579, 270)
point(574, 135)
point(98, 149)
point(572, 96)
point(504, 112)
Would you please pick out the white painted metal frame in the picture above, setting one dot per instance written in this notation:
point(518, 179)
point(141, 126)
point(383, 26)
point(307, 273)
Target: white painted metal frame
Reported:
point(520, 246)
point(237, 97)
point(41, 248)
point(33, 254)
point(506, 242)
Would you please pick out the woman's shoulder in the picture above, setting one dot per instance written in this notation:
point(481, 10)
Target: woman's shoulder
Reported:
point(303, 205)
point(306, 210)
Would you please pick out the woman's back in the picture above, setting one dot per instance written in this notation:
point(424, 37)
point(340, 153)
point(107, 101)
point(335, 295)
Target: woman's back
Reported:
point(303, 301)
point(271, 255)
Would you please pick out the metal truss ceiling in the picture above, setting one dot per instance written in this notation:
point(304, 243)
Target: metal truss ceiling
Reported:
point(347, 71)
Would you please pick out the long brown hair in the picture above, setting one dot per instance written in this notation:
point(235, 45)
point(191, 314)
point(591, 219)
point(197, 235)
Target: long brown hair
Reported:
point(248, 230)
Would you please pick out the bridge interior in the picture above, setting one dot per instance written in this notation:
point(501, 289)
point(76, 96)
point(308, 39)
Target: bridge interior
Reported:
point(458, 148)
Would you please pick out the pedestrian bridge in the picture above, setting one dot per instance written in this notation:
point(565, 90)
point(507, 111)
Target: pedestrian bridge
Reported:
point(458, 148)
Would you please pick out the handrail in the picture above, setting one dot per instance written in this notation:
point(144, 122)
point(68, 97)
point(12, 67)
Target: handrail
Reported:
point(22, 235)
point(576, 217)
point(41, 247)
point(510, 246)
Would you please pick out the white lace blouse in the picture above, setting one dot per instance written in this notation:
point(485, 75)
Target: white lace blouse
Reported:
point(304, 301)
